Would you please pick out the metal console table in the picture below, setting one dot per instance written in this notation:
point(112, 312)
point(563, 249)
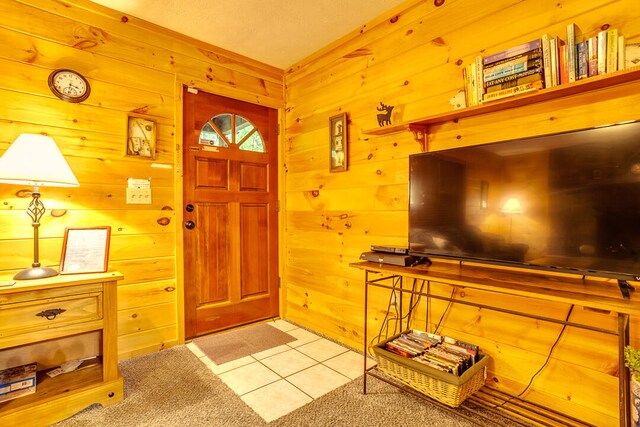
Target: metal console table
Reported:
point(598, 294)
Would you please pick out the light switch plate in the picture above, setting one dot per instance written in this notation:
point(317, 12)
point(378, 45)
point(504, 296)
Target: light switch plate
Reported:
point(138, 196)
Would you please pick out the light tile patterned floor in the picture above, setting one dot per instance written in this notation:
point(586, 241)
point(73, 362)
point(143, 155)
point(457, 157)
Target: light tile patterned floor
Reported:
point(277, 381)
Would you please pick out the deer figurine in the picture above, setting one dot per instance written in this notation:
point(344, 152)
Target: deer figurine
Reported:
point(385, 118)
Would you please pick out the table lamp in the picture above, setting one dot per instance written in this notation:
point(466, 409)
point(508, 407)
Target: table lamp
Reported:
point(35, 160)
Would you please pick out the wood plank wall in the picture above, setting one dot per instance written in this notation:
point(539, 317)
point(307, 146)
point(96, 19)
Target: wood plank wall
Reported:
point(414, 60)
point(133, 67)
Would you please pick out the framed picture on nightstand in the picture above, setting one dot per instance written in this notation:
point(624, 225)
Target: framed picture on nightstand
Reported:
point(85, 250)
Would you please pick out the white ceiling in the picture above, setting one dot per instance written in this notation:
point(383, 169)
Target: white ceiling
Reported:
point(277, 32)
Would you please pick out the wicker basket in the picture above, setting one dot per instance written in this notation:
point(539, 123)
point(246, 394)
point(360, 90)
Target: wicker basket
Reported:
point(447, 388)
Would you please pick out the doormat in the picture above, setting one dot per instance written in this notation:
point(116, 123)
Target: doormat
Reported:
point(232, 345)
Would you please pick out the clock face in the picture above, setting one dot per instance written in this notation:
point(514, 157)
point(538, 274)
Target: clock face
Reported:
point(69, 85)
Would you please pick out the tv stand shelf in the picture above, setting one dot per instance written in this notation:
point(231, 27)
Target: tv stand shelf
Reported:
point(598, 294)
point(420, 126)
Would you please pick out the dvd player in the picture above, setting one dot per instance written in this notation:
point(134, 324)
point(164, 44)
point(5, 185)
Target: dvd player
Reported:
point(391, 249)
point(393, 259)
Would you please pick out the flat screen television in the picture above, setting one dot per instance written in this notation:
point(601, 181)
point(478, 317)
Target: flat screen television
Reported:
point(565, 202)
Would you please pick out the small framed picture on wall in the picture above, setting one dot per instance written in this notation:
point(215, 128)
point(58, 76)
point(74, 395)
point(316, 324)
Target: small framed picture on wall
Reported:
point(338, 143)
point(141, 137)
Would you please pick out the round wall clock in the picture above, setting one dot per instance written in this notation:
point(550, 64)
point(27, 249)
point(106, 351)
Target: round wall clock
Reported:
point(69, 85)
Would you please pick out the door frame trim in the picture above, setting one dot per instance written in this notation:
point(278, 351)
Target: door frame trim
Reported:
point(179, 201)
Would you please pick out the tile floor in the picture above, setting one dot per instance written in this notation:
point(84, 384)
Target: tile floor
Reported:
point(279, 380)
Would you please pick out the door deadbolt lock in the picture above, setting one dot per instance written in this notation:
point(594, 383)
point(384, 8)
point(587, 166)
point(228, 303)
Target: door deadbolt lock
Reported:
point(190, 225)
point(189, 208)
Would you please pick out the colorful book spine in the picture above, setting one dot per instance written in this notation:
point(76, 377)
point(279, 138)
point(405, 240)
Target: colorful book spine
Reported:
point(602, 52)
point(512, 69)
point(465, 79)
point(523, 57)
point(546, 54)
point(471, 84)
point(537, 77)
point(527, 87)
point(479, 78)
point(573, 33)
point(517, 50)
point(612, 50)
point(621, 53)
point(592, 65)
point(553, 54)
point(582, 62)
point(563, 64)
point(526, 56)
point(516, 76)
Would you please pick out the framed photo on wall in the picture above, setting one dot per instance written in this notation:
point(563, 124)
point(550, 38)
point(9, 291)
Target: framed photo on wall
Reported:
point(141, 137)
point(338, 143)
point(85, 250)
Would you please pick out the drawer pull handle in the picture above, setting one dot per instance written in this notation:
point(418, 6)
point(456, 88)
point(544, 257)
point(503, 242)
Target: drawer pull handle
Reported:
point(51, 314)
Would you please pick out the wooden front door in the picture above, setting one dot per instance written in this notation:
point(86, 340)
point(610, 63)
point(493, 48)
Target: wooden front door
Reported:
point(230, 213)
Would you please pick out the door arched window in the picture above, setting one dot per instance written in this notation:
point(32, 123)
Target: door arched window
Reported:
point(229, 130)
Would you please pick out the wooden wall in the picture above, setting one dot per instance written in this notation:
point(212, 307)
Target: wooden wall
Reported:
point(133, 67)
point(413, 59)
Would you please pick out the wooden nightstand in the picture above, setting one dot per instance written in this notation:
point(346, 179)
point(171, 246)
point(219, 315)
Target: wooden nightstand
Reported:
point(33, 328)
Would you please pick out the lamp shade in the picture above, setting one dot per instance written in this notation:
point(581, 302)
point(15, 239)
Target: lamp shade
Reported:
point(512, 206)
point(36, 160)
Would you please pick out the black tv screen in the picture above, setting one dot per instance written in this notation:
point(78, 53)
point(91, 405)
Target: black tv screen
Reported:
point(567, 202)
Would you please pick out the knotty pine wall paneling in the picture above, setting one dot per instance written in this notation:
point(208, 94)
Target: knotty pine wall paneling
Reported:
point(133, 67)
point(413, 59)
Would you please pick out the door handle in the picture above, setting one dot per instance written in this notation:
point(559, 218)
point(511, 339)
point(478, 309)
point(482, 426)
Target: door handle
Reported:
point(190, 225)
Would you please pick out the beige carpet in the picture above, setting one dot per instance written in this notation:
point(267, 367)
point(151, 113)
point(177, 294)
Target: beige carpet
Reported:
point(174, 388)
point(227, 346)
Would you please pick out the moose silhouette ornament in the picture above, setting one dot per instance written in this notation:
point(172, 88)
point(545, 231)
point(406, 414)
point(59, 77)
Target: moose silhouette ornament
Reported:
point(384, 118)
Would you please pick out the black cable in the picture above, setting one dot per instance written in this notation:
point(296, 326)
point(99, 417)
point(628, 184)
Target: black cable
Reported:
point(426, 326)
point(545, 362)
point(386, 316)
point(412, 304)
point(408, 316)
point(453, 291)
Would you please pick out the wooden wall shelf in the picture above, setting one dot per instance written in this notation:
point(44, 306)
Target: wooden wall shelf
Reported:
point(419, 126)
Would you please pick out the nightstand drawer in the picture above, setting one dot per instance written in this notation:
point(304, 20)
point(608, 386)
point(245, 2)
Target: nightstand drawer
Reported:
point(40, 315)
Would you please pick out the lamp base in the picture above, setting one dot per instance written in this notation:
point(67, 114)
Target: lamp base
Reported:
point(35, 273)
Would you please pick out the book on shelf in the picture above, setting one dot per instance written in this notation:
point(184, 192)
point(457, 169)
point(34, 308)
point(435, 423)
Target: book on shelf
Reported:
point(557, 52)
point(621, 52)
point(602, 52)
point(521, 57)
point(592, 61)
point(546, 53)
point(527, 87)
point(573, 36)
point(612, 50)
point(518, 67)
point(553, 60)
point(470, 85)
point(508, 53)
point(465, 80)
point(514, 80)
point(582, 61)
point(563, 63)
point(479, 78)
